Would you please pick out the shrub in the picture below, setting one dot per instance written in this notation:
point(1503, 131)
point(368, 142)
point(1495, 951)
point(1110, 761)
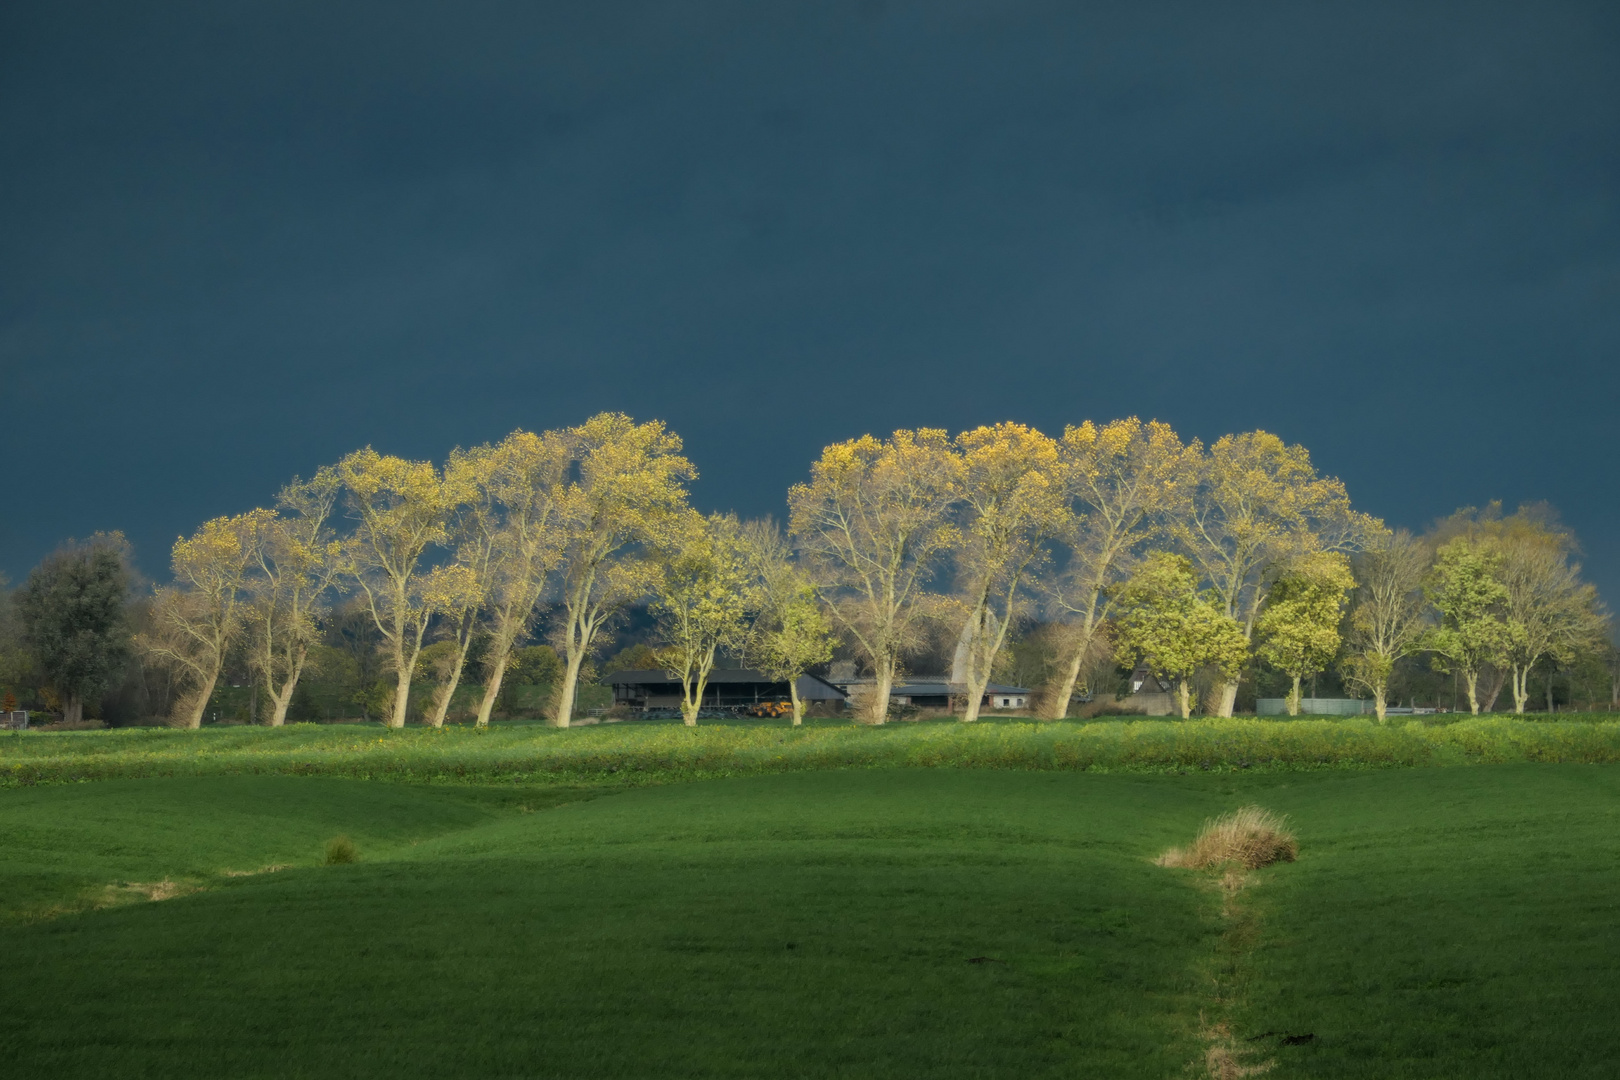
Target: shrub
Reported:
point(1250, 837)
point(1109, 708)
point(341, 850)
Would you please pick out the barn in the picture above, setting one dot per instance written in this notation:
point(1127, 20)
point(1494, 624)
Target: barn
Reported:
point(732, 688)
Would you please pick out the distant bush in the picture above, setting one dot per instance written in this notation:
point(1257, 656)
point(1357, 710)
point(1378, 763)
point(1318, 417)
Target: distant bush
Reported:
point(635, 658)
point(1097, 709)
point(535, 665)
point(341, 850)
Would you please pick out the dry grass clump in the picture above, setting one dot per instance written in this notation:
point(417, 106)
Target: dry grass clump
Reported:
point(341, 850)
point(1250, 837)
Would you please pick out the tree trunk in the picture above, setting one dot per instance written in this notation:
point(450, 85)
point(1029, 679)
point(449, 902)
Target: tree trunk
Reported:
point(1471, 678)
point(975, 698)
point(1058, 707)
point(73, 709)
point(400, 707)
point(798, 706)
point(1380, 705)
point(441, 698)
point(402, 677)
point(1550, 708)
point(199, 703)
point(881, 686)
point(690, 705)
point(1228, 698)
point(1498, 678)
point(1184, 697)
point(1293, 698)
point(492, 688)
point(281, 700)
point(570, 685)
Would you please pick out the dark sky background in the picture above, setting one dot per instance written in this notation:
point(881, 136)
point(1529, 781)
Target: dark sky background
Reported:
point(240, 239)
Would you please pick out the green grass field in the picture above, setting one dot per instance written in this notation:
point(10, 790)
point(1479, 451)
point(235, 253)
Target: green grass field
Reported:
point(1440, 921)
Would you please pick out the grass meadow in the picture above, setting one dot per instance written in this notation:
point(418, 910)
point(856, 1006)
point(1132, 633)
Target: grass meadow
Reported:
point(644, 900)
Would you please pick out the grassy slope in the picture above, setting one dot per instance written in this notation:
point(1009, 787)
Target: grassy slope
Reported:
point(646, 935)
point(63, 845)
point(1446, 923)
point(1440, 922)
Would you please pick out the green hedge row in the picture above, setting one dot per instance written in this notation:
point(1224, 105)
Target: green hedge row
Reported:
point(658, 752)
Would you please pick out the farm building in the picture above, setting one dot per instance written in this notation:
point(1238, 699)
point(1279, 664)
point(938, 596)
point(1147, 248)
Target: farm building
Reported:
point(726, 689)
point(937, 692)
point(1150, 693)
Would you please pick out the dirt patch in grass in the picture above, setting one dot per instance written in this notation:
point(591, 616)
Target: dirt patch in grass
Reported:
point(1224, 1057)
point(134, 892)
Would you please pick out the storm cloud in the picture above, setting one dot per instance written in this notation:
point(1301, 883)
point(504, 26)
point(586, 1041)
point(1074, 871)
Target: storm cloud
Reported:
point(241, 240)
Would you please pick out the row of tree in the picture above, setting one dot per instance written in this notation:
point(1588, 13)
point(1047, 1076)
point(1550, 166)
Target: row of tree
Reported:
point(1131, 545)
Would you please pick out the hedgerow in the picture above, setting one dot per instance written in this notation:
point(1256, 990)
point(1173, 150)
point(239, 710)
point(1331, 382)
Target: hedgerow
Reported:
point(656, 753)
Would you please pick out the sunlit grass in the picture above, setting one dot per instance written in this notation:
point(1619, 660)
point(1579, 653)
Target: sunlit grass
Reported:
point(1439, 922)
point(649, 752)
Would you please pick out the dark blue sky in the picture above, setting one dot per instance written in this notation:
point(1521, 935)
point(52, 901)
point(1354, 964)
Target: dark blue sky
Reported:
point(238, 240)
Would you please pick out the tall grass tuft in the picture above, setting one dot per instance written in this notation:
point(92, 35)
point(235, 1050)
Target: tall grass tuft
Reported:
point(1250, 837)
point(341, 850)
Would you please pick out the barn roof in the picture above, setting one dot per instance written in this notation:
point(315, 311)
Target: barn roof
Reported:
point(811, 687)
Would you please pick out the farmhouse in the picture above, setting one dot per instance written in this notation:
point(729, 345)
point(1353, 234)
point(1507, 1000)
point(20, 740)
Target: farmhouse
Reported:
point(1150, 693)
point(726, 689)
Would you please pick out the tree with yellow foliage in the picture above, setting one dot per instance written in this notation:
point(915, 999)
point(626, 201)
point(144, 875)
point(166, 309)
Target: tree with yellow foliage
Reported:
point(790, 634)
point(1390, 615)
point(1466, 588)
point(196, 620)
point(1550, 612)
point(1172, 628)
point(1124, 481)
point(294, 557)
point(518, 486)
point(1299, 626)
point(702, 597)
point(626, 494)
point(1259, 505)
point(400, 510)
point(1012, 498)
point(454, 593)
point(871, 525)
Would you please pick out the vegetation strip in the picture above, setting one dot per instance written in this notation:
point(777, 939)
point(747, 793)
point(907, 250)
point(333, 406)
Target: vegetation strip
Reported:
point(1229, 849)
point(654, 754)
